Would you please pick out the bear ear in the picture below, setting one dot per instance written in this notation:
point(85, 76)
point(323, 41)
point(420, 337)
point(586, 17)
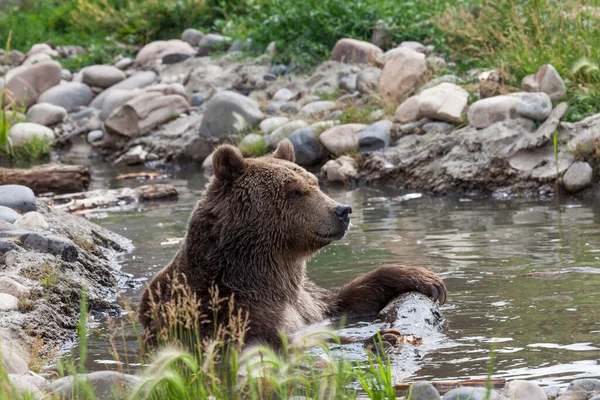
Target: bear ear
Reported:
point(228, 163)
point(285, 151)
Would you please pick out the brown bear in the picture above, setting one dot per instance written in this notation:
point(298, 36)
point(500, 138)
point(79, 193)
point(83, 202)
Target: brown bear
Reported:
point(250, 235)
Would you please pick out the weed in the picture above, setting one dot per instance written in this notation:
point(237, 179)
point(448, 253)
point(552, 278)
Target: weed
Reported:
point(254, 148)
point(354, 115)
point(34, 150)
point(38, 273)
point(85, 244)
point(26, 304)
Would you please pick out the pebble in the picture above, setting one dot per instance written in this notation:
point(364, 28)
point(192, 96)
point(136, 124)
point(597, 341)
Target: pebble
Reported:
point(291, 107)
point(24, 132)
point(578, 177)
point(442, 127)
point(270, 124)
point(70, 95)
point(46, 114)
point(192, 36)
point(283, 95)
point(283, 132)
point(32, 220)
point(8, 302)
point(8, 214)
point(423, 391)
point(348, 83)
point(124, 63)
point(12, 287)
point(197, 100)
point(315, 108)
point(12, 362)
point(523, 390)
point(17, 197)
point(95, 136)
point(6, 246)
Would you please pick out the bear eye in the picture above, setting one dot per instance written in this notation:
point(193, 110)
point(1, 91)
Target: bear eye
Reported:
point(294, 194)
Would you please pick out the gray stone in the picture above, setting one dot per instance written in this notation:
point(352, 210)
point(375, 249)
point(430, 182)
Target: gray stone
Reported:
point(274, 108)
point(279, 69)
point(6, 226)
point(334, 115)
point(546, 80)
point(535, 106)
point(95, 136)
point(351, 51)
point(578, 177)
point(66, 75)
point(375, 137)
point(367, 80)
point(12, 287)
point(124, 63)
point(342, 139)
point(197, 100)
point(442, 79)
point(102, 76)
point(316, 107)
point(283, 132)
point(175, 58)
point(416, 46)
point(71, 95)
point(160, 48)
point(56, 245)
point(442, 127)
point(13, 363)
point(211, 43)
point(29, 383)
point(240, 45)
point(307, 147)
point(586, 384)
point(414, 313)
point(348, 83)
point(485, 112)
point(471, 393)
point(283, 95)
point(523, 390)
point(343, 170)
point(8, 302)
point(291, 107)
point(8, 214)
point(103, 384)
point(270, 77)
point(24, 132)
point(46, 114)
point(423, 391)
point(228, 113)
point(136, 81)
point(32, 220)
point(192, 36)
point(17, 197)
point(270, 124)
point(27, 83)
point(552, 392)
point(6, 246)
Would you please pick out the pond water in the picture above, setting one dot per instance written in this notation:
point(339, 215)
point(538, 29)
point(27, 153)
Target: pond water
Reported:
point(543, 326)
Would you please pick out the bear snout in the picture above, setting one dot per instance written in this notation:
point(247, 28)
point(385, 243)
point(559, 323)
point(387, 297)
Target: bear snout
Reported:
point(343, 211)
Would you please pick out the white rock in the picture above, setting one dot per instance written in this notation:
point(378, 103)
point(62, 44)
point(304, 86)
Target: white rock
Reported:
point(535, 106)
point(12, 287)
point(283, 132)
point(546, 80)
point(315, 107)
point(342, 138)
point(8, 302)
point(445, 102)
point(24, 132)
point(270, 124)
point(342, 170)
point(32, 220)
point(46, 114)
point(124, 63)
point(409, 110)
point(402, 75)
point(283, 95)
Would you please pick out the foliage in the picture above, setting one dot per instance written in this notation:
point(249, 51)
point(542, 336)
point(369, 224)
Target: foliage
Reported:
point(253, 149)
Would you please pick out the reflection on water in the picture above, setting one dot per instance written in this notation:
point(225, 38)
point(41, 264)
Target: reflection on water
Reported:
point(543, 326)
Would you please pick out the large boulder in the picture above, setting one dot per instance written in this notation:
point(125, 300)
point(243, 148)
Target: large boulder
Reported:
point(157, 50)
point(102, 75)
point(444, 102)
point(46, 114)
point(342, 138)
point(546, 80)
point(136, 81)
point(70, 95)
point(227, 113)
point(351, 51)
point(25, 132)
point(17, 197)
point(402, 75)
point(26, 83)
point(485, 112)
point(145, 112)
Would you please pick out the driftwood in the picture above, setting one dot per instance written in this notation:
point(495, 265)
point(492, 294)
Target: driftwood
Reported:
point(111, 199)
point(447, 385)
point(53, 178)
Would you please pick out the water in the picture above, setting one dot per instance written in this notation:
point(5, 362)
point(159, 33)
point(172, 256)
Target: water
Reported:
point(543, 326)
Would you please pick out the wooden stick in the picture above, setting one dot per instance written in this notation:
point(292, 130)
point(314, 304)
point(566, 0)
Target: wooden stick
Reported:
point(55, 178)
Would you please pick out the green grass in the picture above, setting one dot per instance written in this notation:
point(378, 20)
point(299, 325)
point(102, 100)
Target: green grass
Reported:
point(253, 149)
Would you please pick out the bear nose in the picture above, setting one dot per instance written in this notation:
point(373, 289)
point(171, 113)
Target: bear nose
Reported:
point(342, 211)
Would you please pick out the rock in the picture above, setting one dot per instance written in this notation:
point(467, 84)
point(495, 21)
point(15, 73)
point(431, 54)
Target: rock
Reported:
point(283, 132)
point(37, 59)
point(574, 395)
point(136, 81)
point(70, 95)
point(15, 57)
point(24, 132)
point(444, 102)
point(270, 124)
point(249, 142)
point(381, 34)
point(283, 95)
point(367, 80)
point(348, 83)
point(291, 107)
point(552, 392)
point(13, 363)
point(471, 393)
point(436, 63)
point(197, 100)
point(351, 51)
point(17, 197)
point(270, 77)
point(6, 246)
point(8, 214)
point(523, 390)
point(489, 83)
point(535, 106)
point(316, 107)
point(413, 313)
point(416, 46)
point(12, 287)
point(441, 127)
point(145, 112)
point(320, 126)
point(102, 383)
point(334, 115)
point(102, 75)
point(423, 391)
point(279, 70)
point(27, 83)
point(586, 384)
point(342, 139)
point(240, 45)
point(4, 225)
point(134, 156)
point(56, 245)
point(449, 78)
point(546, 80)
point(409, 110)
point(211, 43)
point(124, 63)
point(46, 114)
point(160, 48)
point(307, 148)
point(228, 113)
point(116, 98)
point(8, 302)
point(42, 48)
point(66, 75)
point(95, 136)
point(271, 49)
point(578, 177)
point(175, 58)
point(341, 170)
point(375, 137)
point(29, 383)
point(192, 36)
point(402, 75)
point(32, 220)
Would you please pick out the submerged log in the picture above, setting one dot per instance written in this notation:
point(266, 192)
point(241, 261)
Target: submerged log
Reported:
point(54, 178)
